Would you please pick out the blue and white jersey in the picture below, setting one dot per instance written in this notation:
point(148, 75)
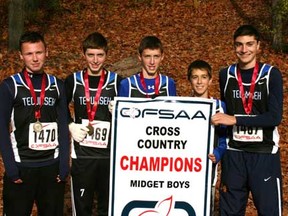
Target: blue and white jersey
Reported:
point(97, 145)
point(257, 131)
point(220, 137)
point(132, 87)
point(20, 143)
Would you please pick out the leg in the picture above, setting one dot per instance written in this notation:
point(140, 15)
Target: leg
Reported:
point(266, 184)
point(212, 208)
point(102, 186)
point(18, 199)
point(82, 186)
point(50, 194)
point(233, 190)
point(213, 183)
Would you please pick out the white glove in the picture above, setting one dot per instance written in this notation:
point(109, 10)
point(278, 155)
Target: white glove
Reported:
point(78, 131)
point(111, 106)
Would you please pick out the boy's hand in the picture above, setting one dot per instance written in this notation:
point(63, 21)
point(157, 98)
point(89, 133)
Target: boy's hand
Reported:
point(78, 131)
point(212, 157)
point(111, 105)
point(223, 119)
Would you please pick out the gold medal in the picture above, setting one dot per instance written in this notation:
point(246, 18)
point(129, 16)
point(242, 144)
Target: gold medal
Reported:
point(91, 129)
point(37, 126)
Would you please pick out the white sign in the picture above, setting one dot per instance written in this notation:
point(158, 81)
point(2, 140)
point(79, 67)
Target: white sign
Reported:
point(159, 163)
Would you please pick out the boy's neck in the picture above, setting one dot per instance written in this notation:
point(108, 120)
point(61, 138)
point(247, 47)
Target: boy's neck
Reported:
point(147, 75)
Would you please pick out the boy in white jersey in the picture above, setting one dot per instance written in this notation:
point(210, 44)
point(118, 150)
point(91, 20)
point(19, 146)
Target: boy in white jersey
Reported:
point(200, 76)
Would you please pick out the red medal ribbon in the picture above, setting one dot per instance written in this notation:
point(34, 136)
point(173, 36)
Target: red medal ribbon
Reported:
point(156, 85)
point(33, 93)
point(91, 112)
point(247, 104)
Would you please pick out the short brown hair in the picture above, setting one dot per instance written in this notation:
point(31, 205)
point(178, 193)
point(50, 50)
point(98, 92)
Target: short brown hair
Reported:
point(199, 64)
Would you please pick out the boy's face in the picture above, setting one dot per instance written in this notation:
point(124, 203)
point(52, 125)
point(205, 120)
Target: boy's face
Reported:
point(34, 56)
point(246, 48)
point(95, 59)
point(150, 60)
point(200, 82)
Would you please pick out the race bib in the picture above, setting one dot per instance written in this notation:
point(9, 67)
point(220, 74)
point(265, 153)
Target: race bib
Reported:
point(100, 136)
point(45, 139)
point(247, 134)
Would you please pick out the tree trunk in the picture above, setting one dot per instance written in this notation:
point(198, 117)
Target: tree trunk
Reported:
point(277, 43)
point(30, 8)
point(16, 23)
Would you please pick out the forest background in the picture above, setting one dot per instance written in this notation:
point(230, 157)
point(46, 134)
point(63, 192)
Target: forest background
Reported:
point(189, 30)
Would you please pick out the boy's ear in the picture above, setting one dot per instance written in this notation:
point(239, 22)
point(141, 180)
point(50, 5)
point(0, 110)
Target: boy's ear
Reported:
point(210, 81)
point(258, 46)
point(20, 54)
point(162, 56)
point(46, 52)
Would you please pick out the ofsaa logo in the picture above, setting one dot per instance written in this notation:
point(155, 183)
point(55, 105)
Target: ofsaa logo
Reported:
point(166, 207)
point(133, 112)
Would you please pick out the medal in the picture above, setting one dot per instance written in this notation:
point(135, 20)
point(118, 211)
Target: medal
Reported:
point(91, 129)
point(37, 126)
point(91, 111)
point(247, 104)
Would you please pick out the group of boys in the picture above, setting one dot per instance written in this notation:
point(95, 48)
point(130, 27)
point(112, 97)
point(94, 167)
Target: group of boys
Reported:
point(36, 123)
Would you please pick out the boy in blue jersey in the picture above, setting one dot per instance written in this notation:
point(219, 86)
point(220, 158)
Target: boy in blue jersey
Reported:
point(148, 82)
point(200, 76)
point(90, 90)
point(34, 135)
point(253, 92)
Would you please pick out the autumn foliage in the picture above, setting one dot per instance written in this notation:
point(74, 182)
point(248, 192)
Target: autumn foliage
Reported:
point(188, 30)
